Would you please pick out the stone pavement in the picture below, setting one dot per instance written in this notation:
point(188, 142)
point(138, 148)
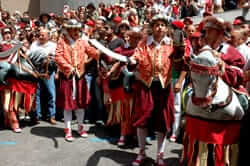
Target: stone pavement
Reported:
point(44, 145)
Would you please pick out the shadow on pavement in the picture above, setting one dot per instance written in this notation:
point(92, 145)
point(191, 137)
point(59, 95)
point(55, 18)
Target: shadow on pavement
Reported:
point(49, 132)
point(120, 157)
point(125, 158)
point(110, 135)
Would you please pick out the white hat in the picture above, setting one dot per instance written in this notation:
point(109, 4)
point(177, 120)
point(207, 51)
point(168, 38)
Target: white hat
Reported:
point(213, 22)
point(162, 17)
point(102, 18)
point(72, 23)
point(122, 5)
point(173, 3)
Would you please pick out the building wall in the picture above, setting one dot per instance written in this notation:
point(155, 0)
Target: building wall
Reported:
point(35, 7)
point(32, 6)
point(56, 6)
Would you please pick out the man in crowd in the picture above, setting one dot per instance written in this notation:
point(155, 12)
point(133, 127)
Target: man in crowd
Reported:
point(46, 86)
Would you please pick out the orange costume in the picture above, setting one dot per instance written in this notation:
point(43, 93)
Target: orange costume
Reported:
point(154, 61)
point(154, 98)
point(71, 60)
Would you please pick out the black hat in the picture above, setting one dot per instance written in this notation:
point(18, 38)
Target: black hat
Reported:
point(90, 5)
point(44, 14)
point(140, 1)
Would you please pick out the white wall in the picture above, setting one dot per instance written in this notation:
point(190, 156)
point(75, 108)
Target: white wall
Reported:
point(33, 6)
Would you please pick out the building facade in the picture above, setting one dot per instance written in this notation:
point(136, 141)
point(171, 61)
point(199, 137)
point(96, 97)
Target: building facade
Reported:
point(35, 7)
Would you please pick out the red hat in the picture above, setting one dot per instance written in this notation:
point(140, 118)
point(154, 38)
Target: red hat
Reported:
point(237, 22)
point(108, 10)
point(117, 20)
point(196, 34)
point(22, 25)
point(52, 14)
point(90, 23)
point(178, 24)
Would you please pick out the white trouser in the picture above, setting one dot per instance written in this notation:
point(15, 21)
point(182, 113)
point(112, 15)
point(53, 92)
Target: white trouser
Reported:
point(68, 117)
point(177, 108)
point(161, 140)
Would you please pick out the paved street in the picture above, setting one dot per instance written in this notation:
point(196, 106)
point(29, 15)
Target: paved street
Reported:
point(44, 145)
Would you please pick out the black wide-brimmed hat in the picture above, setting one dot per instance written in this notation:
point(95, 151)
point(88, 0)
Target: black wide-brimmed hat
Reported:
point(44, 15)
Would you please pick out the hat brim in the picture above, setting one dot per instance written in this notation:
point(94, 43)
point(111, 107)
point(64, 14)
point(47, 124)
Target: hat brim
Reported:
point(78, 26)
point(213, 22)
point(159, 19)
point(138, 1)
point(126, 24)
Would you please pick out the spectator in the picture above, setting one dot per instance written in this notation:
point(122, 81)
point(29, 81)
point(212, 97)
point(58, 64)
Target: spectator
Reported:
point(46, 86)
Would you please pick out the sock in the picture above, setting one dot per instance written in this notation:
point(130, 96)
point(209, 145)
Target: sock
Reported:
point(161, 142)
point(67, 119)
point(79, 116)
point(141, 133)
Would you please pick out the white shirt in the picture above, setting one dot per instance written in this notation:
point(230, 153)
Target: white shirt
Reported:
point(49, 48)
point(201, 9)
point(159, 8)
point(245, 52)
point(218, 2)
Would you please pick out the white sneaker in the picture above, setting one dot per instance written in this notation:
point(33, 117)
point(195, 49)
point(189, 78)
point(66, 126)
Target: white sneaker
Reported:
point(27, 117)
point(172, 138)
point(139, 159)
point(17, 130)
point(68, 135)
point(21, 117)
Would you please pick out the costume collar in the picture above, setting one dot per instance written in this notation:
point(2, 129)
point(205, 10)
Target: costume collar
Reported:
point(71, 41)
point(166, 40)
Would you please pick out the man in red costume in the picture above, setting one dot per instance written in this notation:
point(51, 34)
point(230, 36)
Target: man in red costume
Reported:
point(154, 97)
point(72, 54)
point(206, 141)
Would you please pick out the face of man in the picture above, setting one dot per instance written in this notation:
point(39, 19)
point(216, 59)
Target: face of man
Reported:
point(235, 38)
point(108, 29)
point(7, 36)
point(74, 33)
point(196, 44)
point(214, 37)
point(99, 24)
point(159, 28)
point(138, 4)
point(43, 36)
point(45, 19)
point(123, 29)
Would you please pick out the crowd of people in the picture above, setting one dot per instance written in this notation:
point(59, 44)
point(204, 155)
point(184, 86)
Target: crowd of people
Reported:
point(71, 78)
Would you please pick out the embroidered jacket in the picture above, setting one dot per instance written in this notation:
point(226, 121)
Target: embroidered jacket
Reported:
point(154, 60)
point(72, 57)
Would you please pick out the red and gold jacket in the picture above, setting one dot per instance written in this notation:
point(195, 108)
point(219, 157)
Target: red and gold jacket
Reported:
point(154, 61)
point(73, 57)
